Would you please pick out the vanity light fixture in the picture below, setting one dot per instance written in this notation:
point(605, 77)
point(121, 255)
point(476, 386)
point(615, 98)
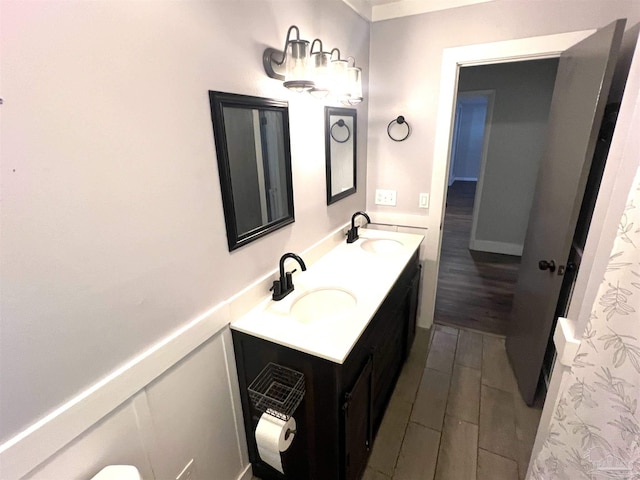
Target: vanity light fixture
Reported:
point(319, 72)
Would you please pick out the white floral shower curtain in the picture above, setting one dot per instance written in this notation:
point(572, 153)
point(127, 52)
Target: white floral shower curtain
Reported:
point(595, 430)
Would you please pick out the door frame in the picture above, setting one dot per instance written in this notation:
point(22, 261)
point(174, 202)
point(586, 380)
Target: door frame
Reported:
point(532, 48)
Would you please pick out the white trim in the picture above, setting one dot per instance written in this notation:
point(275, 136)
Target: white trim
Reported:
point(463, 179)
point(247, 474)
point(28, 449)
point(454, 142)
point(361, 7)
point(491, 97)
point(548, 46)
point(404, 8)
point(38, 442)
point(234, 389)
point(503, 248)
point(565, 341)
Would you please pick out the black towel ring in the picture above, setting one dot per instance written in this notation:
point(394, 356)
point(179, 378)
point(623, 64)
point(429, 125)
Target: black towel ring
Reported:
point(340, 123)
point(400, 121)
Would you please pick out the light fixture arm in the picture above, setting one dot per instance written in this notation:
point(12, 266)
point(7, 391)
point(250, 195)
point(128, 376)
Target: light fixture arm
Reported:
point(268, 59)
point(351, 58)
point(313, 44)
point(286, 43)
point(335, 50)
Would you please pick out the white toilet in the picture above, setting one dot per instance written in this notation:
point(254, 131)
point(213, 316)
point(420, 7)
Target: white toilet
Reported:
point(118, 472)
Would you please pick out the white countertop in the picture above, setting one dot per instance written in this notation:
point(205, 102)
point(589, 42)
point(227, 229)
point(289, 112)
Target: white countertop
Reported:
point(365, 275)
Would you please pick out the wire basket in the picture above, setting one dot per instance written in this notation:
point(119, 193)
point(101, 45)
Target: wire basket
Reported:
point(277, 391)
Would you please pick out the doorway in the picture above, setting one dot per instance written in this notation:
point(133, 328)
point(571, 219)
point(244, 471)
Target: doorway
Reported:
point(497, 143)
point(453, 59)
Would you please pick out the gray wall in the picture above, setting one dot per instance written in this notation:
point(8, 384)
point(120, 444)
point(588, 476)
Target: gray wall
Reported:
point(113, 235)
point(523, 92)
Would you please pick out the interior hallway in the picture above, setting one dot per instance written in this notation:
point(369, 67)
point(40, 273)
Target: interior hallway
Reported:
point(475, 289)
point(455, 414)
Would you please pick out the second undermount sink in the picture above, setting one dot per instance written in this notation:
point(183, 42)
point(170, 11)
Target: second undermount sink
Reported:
point(321, 304)
point(381, 245)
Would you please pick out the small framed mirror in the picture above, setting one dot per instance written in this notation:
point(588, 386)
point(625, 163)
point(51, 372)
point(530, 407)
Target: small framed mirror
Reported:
point(254, 162)
point(340, 131)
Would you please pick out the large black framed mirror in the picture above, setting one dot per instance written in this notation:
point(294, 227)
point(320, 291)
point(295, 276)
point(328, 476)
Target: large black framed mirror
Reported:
point(254, 162)
point(340, 131)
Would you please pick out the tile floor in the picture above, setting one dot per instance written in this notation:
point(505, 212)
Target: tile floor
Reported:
point(455, 413)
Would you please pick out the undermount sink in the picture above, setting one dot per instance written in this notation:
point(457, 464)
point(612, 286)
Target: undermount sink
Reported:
point(380, 245)
point(322, 303)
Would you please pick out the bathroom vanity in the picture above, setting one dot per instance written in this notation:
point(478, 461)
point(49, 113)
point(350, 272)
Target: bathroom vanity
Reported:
point(347, 327)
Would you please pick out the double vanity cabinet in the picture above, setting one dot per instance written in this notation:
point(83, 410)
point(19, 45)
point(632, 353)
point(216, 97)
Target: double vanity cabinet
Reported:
point(350, 357)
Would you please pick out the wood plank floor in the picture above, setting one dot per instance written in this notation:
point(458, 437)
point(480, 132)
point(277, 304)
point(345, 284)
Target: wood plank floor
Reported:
point(455, 413)
point(475, 289)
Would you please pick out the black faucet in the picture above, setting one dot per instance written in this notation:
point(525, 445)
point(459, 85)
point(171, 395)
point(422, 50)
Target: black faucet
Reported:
point(352, 235)
point(283, 287)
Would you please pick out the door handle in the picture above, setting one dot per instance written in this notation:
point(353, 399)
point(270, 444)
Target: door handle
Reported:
point(544, 265)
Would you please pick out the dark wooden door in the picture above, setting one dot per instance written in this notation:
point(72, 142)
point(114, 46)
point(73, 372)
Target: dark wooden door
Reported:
point(580, 94)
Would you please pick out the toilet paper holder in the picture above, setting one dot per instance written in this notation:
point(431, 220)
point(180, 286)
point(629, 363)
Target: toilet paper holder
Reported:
point(277, 391)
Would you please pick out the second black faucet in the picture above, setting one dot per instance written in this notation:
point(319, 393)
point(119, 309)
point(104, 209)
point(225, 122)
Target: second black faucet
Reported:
point(352, 235)
point(283, 287)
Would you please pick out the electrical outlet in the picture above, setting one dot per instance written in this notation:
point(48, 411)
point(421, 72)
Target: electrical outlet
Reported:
point(424, 200)
point(187, 472)
point(386, 197)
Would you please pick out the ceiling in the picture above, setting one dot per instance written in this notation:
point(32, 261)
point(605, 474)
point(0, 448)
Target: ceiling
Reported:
point(377, 10)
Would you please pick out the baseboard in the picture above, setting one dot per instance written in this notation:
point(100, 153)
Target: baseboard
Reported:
point(503, 248)
point(463, 179)
point(247, 474)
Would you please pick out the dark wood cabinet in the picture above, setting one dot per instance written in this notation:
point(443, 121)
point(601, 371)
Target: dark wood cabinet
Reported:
point(356, 417)
point(344, 403)
point(412, 306)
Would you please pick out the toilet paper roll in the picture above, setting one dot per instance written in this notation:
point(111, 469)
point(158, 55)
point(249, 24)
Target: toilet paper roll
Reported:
point(272, 438)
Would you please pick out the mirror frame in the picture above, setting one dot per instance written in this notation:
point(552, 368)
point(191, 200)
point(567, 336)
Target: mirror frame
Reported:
point(219, 100)
point(346, 112)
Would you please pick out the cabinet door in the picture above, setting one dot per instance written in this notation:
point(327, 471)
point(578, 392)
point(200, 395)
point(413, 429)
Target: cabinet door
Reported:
point(357, 424)
point(387, 362)
point(414, 291)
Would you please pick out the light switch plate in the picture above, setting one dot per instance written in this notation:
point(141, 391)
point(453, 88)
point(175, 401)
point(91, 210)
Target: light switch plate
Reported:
point(386, 197)
point(424, 200)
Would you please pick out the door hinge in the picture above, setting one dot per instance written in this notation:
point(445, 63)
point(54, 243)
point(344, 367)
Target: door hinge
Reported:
point(347, 402)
